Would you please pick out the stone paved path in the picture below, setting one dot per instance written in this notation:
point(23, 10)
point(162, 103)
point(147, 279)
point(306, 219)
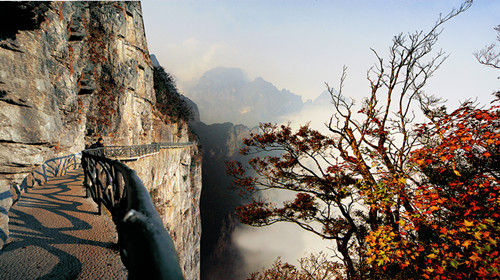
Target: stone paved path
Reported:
point(55, 234)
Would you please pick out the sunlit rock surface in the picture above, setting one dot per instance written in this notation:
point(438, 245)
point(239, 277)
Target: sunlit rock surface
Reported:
point(175, 191)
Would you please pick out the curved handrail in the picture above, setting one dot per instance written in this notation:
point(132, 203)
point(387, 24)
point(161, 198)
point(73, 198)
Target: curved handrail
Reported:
point(50, 168)
point(146, 248)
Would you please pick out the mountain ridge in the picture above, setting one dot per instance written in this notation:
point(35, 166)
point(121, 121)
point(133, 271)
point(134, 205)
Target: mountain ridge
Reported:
point(245, 101)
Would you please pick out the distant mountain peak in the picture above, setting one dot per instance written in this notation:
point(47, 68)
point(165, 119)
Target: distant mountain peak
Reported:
point(227, 73)
point(323, 98)
point(227, 94)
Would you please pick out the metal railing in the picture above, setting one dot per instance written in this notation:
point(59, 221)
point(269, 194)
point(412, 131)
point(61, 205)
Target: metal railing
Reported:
point(135, 151)
point(146, 248)
point(125, 151)
point(51, 168)
point(170, 145)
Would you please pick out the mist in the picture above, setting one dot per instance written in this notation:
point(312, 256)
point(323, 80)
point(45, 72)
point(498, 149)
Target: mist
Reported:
point(260, 246)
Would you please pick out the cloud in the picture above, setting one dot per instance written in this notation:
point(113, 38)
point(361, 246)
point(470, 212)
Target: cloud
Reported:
point(259, 247)
point(315, 115)
point(193, 57)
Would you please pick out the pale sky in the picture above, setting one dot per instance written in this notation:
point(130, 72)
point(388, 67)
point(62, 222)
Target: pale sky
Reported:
point(299, 45)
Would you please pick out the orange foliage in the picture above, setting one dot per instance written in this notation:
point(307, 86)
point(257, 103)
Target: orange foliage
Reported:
point(454, 231)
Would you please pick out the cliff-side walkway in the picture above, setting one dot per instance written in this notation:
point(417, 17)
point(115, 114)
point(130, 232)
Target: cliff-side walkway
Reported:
point(56, 234)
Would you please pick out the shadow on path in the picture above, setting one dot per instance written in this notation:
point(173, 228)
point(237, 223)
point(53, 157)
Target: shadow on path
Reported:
point(55, 234)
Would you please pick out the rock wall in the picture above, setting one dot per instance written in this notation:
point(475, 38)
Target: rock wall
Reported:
point(175, 192)
point(220, 258)
point(71, 72)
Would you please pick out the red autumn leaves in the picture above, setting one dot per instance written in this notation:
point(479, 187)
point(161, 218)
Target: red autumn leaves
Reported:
point(447, 225)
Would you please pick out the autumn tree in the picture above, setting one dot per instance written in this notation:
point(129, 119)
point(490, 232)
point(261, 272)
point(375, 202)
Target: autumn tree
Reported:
point(358, 177)
point(453, 231)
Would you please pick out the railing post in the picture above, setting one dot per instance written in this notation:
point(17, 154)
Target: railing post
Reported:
point(85, 176)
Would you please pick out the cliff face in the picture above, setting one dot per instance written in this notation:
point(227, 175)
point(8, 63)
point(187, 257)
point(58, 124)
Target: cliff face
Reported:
point(220, 259)
point(73, 71)
point(173, 189)
point(57, 73)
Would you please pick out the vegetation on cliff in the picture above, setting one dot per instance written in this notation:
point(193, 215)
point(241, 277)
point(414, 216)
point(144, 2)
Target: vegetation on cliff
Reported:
point(168, 99)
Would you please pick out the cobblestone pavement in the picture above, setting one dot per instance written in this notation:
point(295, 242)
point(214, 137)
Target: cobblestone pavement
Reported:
point(55, 234)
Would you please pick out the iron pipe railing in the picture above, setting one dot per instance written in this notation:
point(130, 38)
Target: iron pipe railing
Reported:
point(134, 151)
point(125, 151)
point(146, 248)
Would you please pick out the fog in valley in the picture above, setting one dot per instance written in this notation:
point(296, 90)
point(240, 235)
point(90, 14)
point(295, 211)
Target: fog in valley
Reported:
point(221, 95)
